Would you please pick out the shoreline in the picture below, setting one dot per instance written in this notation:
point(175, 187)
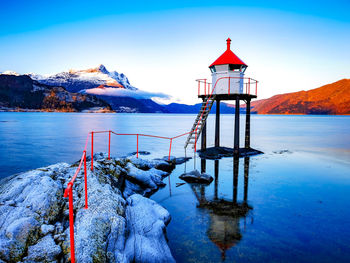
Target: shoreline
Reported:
point(111, 111)
point(34, 222)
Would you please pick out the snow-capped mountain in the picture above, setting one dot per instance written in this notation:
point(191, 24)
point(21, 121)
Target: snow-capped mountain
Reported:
point(80, 80)
point(112, 87)
point(21, 93)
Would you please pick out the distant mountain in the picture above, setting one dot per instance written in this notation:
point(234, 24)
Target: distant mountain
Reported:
point(20, 92)
point(98, 88)
point(112, 87)
point(77, 80)
point(333, 98)
point(116, 90)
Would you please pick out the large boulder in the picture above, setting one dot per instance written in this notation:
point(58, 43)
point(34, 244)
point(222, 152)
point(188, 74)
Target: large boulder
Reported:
point(27, 201)
point(100, 229)
point(196, 177)
point(45, 250)
point(146, 225)
point(145, 164)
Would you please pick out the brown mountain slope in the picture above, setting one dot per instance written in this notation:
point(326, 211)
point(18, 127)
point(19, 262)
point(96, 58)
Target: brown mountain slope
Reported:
point(333, 98)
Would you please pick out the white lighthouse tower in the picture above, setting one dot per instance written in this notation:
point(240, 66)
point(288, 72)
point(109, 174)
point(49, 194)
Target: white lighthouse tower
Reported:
point(228, 72)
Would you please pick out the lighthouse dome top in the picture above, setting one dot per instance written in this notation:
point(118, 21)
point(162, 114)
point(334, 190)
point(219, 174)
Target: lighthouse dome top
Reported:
point(228, 57)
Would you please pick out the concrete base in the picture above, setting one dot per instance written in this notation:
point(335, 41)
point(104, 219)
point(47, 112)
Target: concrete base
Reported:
point(215, 153)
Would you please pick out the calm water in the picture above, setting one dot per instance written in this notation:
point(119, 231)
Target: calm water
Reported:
point(289, 204)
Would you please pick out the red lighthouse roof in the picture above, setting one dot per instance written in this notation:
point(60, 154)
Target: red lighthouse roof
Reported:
point(228, 57)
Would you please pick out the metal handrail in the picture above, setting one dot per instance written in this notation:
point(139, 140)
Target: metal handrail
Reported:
point(68, 192)
point(249, 82)
point(211, 94)
point(69, 189)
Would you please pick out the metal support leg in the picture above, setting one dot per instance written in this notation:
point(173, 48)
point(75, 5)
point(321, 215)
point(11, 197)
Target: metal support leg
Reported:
point(217, 124)
point(236, 136)
point(247, 126)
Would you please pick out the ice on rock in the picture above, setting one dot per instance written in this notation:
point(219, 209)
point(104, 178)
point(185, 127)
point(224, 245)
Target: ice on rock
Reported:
point(139, 176)
point(34, 222)
point(159, 164)
point(45, 229)
point(45, 250)
point(30, 199)
point(146, 225)
point(100, 227)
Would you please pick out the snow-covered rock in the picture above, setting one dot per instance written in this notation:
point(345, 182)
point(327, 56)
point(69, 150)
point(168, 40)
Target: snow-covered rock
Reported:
point(147, 242)
point(159, 164)
point(28, 200)
point(45, 250)
point(101, 227)
point(45, 229)
point(151, 178)
point(142, 179)
point(34, 222)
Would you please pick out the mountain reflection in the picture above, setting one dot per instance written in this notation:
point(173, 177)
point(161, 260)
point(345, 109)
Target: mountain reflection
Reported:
point(224, 214)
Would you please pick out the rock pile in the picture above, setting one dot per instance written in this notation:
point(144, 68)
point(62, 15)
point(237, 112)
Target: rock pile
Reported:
point(120, 225)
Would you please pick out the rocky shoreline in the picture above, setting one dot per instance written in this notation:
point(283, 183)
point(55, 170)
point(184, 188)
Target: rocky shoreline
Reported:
point(120, 225)
point(90, 110)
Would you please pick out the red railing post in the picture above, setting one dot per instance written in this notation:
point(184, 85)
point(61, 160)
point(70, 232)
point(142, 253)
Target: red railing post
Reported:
point(199, 87)
point(137, 146)
point(71, 222)
point(85, 179)
point(205, 86)
point(208, 88)
point(92, 151)
point(109, 145)
point(171, 141)
point(248, 85)
point(229, 85)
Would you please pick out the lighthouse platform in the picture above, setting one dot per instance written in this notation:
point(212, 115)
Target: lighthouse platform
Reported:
point(241, 96)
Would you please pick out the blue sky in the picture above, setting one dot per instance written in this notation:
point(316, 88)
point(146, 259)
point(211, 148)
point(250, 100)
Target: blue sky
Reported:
point(164, 46)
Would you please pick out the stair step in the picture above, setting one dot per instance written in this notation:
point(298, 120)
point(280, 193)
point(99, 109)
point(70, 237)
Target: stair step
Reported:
point(200, 121)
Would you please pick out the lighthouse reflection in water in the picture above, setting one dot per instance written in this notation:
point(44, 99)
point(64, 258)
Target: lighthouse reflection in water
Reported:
point(225, 229)
point(208, 222)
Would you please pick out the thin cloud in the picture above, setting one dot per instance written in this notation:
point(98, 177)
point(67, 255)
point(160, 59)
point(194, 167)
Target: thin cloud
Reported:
point(120, 92)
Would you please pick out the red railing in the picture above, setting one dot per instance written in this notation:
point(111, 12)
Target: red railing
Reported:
point(250, 86)
point(69, 193)
point(69, 190)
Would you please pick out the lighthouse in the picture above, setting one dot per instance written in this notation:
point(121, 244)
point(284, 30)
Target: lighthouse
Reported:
point(229, 70)
point(229, 83)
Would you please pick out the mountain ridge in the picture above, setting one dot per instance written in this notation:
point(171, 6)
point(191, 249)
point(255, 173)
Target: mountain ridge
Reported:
point(18, 93)
point(331, 99)
point(116, 93)
point(77, 80)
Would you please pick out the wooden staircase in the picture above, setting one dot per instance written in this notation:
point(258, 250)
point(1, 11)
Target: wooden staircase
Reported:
point(200, 121)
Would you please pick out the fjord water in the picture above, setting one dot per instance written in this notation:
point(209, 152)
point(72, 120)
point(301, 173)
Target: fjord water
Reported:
point(295, 196)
